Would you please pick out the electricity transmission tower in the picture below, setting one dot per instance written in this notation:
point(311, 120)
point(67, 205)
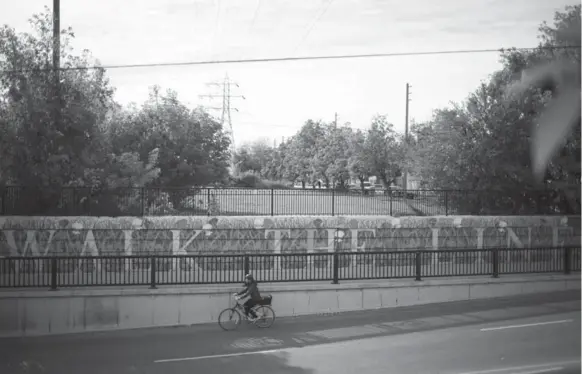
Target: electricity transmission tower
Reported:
point(225, 108)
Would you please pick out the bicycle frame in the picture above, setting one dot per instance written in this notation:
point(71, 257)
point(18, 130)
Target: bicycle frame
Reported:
point(241, 308)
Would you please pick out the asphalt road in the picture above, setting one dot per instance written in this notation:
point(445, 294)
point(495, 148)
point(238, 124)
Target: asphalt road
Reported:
point(529, 334)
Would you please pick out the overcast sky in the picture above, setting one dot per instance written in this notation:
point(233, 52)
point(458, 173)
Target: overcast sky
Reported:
point(281, 96)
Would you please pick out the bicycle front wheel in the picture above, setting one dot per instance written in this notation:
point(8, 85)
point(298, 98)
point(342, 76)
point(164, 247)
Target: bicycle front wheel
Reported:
point(229, 319)
point(265, 316)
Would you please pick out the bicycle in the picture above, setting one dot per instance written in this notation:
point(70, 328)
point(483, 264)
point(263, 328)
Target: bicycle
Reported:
point(263, 310)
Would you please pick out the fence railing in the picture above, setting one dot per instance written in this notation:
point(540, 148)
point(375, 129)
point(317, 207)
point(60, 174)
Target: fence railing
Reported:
point(153, 271)
point(81, 201)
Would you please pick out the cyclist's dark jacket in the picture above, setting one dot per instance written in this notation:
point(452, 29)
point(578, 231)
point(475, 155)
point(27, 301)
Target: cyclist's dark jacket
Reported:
point(251, 290)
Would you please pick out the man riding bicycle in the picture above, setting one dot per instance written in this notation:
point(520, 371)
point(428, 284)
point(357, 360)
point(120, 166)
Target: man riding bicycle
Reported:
point(252, 290)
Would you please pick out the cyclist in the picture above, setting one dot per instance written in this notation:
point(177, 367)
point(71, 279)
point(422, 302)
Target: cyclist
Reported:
point(252, 290)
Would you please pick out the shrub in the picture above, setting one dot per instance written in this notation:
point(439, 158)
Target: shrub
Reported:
point(252, 180)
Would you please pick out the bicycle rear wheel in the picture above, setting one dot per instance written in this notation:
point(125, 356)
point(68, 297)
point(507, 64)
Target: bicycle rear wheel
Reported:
point(229, 319)
point(265, 316)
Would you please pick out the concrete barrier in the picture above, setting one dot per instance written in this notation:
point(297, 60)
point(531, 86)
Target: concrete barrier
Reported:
point(30, 313)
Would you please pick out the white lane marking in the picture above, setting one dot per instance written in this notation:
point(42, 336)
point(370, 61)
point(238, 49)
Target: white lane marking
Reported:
point(549, 370)
point(527, 367)
point(527, 325)
point(215, 356)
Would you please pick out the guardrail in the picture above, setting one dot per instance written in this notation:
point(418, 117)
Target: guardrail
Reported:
point(159, 270)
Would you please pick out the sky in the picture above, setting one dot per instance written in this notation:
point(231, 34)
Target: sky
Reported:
point(280, 96)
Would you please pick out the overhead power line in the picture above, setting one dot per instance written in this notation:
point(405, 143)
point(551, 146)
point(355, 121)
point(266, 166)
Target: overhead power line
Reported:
point(256, 13)
point(310, 28)
point(291, 59)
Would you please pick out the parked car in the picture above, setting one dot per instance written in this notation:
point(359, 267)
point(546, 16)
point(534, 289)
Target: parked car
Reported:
point(379, 189)
point(357, 188)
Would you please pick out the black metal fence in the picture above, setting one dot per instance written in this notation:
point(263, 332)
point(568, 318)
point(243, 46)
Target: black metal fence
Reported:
point(77, 201)
point(56, 272)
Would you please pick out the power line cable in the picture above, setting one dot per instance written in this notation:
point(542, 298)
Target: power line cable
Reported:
point(306, 35)
point(255, 14)
point(291, 59)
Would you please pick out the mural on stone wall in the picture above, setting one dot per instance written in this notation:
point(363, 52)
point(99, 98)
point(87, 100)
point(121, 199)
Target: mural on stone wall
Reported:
point(90, 236)
point(85, 237)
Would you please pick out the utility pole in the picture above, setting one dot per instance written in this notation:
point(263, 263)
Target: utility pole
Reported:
point(335, 120)
point(57, 62)
point(225, 108)
point(405, 179)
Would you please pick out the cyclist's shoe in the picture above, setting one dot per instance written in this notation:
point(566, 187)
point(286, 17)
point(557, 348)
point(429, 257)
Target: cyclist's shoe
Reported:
point(252, 319)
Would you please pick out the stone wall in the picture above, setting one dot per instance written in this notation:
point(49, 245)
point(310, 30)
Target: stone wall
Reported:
point(41, 236)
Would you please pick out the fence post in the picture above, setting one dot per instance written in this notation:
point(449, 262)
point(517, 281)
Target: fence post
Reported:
point(247, 265)
point(390, 199)
point(446, 203)
point(54, 273)
point(418, 265)
point(335, 256)
point(495, 259)
point(272, 201)
point(335, 266)
point(153, 271)
point(567, 256)
point(332, 201)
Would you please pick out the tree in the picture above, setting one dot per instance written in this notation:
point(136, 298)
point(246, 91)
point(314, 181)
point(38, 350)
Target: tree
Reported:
point(358, 164)
point(193, 148)
point(254, 157)
point(275, 167)
point(484, 143)
point(54, 153)
point(383, 152)
point(330, 161)
point(302, 151)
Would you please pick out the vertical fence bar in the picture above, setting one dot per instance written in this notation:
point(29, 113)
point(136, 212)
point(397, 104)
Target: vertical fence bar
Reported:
point(153, 271)
point(567, 256)
point(247, 265)
point(446, 203)
point(272, 202)
point(418, 265)
point(495, 260)
point(332, 201)
point(54, 273)
point(335, 266)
